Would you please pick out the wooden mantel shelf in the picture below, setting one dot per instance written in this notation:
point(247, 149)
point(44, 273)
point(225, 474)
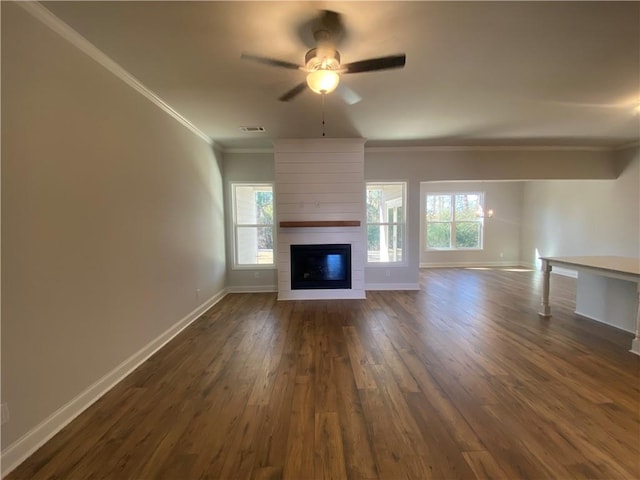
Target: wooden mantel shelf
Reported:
point(321, 223)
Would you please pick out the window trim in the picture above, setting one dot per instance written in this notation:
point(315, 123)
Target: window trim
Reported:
point(452, 222)
point(403, 224)
point(234, 228)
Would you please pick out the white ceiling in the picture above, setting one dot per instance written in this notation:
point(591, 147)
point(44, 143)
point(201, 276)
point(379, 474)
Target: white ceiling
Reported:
point(477, 73)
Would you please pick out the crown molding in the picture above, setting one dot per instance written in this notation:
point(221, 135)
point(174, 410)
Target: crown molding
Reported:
point(45, 16)
point(216, 146)
point(484, 148)
point(248, 150)
point(626, 146)
point(470, 148)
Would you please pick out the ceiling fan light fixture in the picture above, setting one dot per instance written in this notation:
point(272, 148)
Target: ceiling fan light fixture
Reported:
point(323, 81)
point(322, 62)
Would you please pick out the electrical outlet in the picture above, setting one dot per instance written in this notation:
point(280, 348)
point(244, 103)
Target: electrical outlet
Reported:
point(387, 273)
point(5, 413)
point(197, 293)
point(256, 275)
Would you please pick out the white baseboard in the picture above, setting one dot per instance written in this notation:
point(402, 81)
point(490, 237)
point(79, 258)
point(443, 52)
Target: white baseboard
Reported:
point(469, 264)
point(322, 294)
point(21, 449)
point(252, 289)
point(392, 286)
point(635, 346)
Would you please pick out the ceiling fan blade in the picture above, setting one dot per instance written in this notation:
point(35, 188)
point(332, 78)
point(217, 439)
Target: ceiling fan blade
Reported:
point(349, 96)
point(372, 64)
point(270, 61)
point(297, 90)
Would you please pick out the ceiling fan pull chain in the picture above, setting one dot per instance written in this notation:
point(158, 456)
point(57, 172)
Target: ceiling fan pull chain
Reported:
point(323, 95)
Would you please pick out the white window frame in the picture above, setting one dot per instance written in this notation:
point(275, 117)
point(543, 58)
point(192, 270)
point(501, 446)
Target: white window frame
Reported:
point(235, 226)
point(402, 224)
point(453, 247)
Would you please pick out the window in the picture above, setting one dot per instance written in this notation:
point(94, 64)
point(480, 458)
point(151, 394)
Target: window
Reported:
point(253, 224)
point(385, 222)
point(454, 221)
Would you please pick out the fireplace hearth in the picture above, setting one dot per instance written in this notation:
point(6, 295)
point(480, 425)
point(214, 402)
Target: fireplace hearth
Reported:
point(321, 266)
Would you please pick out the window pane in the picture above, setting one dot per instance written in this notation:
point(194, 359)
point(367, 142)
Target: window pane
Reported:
point(384, 203)
point(468, 234)
point(467, 206)
point(255, 245)
point(438, 208)
point(439, 235)
point(384, 243)
point(374, 205)
point(373, 243)
point(254, 204)
point(264, 206)
point(393, 194)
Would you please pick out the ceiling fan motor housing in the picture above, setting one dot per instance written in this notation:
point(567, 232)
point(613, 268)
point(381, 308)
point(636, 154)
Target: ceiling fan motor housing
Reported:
point(322, 58)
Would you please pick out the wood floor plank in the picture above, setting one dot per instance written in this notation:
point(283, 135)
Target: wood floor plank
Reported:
point(458, 380)
point(325, 351)
point(442, 454)
point(240, 462)
point(265, 379)
point(329, 453)
point(359, 457)
point(271, 448)
point(299, 461)
point(391, 357)
point(442, 405)
point(533, 440)
point(484, 466)
point(360, 362)
point(387, 444)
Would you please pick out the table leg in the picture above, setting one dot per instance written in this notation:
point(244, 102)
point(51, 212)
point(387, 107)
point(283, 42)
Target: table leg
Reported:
point(635, 345)
point(546, 272)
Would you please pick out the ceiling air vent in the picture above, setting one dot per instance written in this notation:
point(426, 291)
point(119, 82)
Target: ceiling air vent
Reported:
point(251, 129)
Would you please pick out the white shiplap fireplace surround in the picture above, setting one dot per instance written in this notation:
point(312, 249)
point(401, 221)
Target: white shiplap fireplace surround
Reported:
point(320, 180)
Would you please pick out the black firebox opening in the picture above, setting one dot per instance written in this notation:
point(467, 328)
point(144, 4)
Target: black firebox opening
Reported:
point(321, 266)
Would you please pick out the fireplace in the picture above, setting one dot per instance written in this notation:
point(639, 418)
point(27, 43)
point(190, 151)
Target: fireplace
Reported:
point(321, 266)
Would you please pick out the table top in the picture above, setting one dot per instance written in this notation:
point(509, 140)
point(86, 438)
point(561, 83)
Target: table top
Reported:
point(612, 263)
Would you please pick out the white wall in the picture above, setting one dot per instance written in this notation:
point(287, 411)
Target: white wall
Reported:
point(586, 217)
point(112, 217)
point(416, 165)
point(254, 168)
point(469, 164)
point(492, 163)
point(501, 244)
point(589, 217)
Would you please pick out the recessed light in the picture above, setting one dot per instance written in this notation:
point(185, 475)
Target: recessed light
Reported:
point(251, 129)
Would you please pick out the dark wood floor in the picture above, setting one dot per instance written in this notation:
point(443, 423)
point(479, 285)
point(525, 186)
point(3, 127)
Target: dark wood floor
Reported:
point(458, 380)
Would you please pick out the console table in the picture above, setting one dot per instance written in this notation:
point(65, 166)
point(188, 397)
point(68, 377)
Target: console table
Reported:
point(623, 268)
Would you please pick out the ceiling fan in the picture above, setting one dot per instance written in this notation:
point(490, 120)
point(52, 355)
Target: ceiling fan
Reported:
point(322, 62)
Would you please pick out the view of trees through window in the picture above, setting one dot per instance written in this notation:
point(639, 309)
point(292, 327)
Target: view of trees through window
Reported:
point(452, 221)
point(264, 213)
